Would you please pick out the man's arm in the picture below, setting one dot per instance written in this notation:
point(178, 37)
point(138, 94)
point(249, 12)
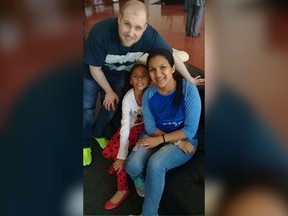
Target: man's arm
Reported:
point(110, 96)
point(183, 70)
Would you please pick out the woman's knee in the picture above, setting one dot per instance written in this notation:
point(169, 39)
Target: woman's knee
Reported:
point(155, 165)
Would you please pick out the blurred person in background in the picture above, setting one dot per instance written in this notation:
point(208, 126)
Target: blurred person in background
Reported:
point(246, 117)
point(195, 10)
point(254, 193)
point(41, 108)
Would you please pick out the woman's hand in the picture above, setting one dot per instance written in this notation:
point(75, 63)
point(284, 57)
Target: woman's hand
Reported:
point(186, 147)
point(111, 99)
point(118, 165)
point(150, 142)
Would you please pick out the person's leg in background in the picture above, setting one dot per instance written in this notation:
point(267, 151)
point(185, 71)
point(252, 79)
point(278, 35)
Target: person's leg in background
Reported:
point(186, 5)
point(90, 93)
point(189, 19)
point(198, 12)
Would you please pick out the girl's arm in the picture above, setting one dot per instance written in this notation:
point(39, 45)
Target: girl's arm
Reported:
point(125, 128)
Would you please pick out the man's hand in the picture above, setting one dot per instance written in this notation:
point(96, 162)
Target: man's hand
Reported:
point(198, 81)
point(111, 99)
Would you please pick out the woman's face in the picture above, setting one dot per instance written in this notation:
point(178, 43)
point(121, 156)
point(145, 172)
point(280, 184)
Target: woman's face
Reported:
point(161, 72)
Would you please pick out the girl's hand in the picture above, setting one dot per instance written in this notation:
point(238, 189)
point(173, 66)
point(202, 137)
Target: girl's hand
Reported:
point(186, 147)
point(150, 142)
point(118, 165)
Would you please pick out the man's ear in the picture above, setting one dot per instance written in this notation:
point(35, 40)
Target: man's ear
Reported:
point(119, 17)
point(145, 26)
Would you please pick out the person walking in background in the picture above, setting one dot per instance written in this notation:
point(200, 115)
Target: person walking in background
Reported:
point(126, 137)
point(195, 10)
point(171, 110)
point(111, 49)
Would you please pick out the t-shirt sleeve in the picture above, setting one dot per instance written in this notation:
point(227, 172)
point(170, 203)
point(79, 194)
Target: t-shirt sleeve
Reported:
point(125, 128)
point(192, 109)
point(95, 48)
point(156, 40)
point(149, 121)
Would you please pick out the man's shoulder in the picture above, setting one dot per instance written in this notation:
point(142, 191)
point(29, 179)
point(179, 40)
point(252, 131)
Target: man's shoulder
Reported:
point(108, 24)
point(150, 30)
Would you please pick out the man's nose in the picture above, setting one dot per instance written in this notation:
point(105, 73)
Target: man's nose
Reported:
point(131, 31)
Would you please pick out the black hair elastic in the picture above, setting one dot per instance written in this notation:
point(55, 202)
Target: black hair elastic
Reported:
point(163, 138)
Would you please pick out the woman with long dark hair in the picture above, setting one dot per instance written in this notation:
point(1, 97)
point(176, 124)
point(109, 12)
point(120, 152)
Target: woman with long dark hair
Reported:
point(171, 110)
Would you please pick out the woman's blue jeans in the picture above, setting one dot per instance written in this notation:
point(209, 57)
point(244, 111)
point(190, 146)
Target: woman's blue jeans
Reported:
point(95, 125)
point(153, 164)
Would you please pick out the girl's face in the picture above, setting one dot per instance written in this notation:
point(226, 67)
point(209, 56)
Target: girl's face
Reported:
point(139, 78)
point(161, 72)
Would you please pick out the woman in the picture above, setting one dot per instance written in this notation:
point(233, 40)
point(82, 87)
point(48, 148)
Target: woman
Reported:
point(171, 110)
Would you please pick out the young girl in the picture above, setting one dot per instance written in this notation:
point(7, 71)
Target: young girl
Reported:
point(125, 138)
point(171, 110)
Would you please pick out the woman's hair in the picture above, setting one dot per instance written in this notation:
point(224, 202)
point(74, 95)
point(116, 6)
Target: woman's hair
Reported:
point(176, 75)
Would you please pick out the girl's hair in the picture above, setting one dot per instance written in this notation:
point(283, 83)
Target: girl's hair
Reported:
point(136, 65)
point(176, 75)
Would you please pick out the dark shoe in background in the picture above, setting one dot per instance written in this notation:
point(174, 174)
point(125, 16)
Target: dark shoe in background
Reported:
point(196, 35)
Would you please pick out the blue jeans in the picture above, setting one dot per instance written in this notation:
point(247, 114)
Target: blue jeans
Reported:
point(95, 125)
point(194, 15)
point(153, 164)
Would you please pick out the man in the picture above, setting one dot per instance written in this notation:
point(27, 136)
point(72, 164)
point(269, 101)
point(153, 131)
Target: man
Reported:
point(111, 49)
